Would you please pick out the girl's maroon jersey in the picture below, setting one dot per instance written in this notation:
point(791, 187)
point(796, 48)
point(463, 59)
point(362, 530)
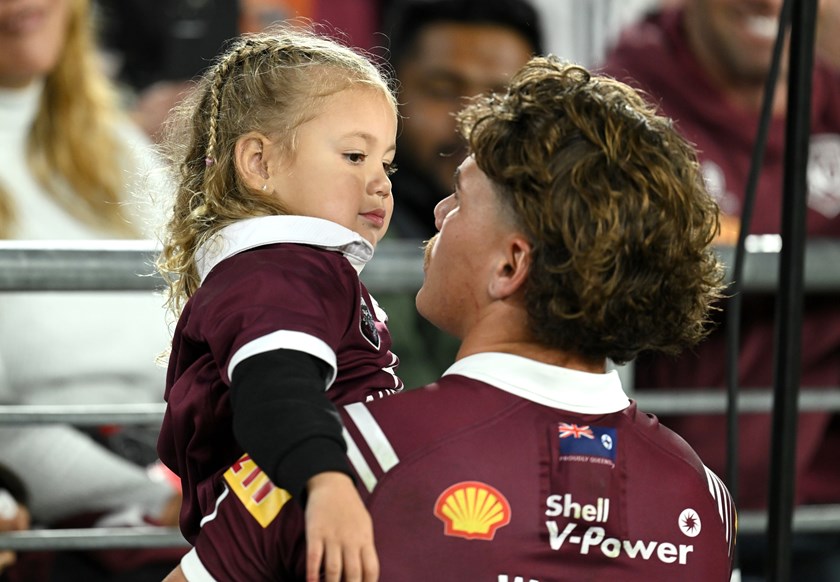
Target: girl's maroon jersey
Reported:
point(511, 470)
point(278, 282)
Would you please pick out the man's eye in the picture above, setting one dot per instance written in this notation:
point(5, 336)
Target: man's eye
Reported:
point(390, 169)
point(355, 157)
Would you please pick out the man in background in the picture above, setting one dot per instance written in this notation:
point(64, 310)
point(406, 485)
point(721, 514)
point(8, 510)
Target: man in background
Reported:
point(443, 53)
point(706, 63)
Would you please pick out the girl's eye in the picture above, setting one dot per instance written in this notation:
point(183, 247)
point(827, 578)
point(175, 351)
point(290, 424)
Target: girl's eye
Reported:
point(355, 157)
point(390, 169)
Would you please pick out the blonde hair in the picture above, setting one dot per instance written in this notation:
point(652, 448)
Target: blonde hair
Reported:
point(271, 82)
point(612, 199)
point(72, 148)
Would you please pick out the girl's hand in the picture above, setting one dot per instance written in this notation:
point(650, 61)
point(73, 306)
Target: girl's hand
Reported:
point(339, 531)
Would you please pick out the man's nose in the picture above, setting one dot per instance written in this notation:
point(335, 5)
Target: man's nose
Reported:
point(442, 209)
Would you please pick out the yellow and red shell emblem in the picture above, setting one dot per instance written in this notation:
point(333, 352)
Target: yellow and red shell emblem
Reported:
point(472, 510)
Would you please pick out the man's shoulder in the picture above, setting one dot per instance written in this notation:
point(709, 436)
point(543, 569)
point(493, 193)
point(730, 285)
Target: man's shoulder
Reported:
point(432, 411)
point(660, 451)
point(396, 428)
point(661, 444)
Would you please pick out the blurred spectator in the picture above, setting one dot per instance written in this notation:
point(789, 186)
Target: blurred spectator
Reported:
point(581, 31)
point(155, 48)
point(443, 52)
point(71, 162)
point(14, 516)
point(828, 27)
point(706, 64)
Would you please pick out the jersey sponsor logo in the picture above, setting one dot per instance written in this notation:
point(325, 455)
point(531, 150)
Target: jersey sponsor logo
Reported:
point(255, 491)
point(588, 444)
point(472, 510)
point(824, 174)
point(689, 522)
point(594, 539)
point(566, 506)
point(368, 325)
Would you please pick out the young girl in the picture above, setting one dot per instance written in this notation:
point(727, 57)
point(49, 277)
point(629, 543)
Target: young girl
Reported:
point(283, 193)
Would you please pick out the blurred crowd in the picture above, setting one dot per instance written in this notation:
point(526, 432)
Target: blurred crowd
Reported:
point(86, 86)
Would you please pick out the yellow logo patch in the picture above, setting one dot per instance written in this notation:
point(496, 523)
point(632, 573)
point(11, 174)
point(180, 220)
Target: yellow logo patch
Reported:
point(472, 510)
point(255, 491)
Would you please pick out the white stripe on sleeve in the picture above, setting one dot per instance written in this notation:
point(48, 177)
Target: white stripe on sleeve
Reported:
point(289, 340)
point(359, 463)
point(193, 569)
point(724, 502)
point(373, 435)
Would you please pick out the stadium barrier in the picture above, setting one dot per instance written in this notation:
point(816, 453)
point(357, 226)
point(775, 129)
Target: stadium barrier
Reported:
point(111, 265)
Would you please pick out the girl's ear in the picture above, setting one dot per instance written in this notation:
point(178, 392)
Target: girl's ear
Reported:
point(251, 160)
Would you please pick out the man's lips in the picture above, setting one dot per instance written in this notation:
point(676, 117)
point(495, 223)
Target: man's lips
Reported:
point(377, 217)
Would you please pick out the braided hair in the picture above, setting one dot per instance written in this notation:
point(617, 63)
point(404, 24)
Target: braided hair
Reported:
point(271, 82)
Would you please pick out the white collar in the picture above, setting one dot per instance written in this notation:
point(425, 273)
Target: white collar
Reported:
point(553, 386)
point(265, 230)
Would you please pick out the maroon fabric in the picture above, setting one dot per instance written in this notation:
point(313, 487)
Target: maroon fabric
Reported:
point(613, 515)
point(655, 57)
point(246, 297)
point(234, 546)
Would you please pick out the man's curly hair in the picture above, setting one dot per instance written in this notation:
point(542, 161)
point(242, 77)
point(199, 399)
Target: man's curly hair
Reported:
point(612, 200)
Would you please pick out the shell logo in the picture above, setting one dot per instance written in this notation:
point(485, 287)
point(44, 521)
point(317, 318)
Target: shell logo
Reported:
point(472, 510)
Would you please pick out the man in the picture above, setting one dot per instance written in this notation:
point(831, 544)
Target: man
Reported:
point(706, 65)
point(578, 231)
point(443, 52)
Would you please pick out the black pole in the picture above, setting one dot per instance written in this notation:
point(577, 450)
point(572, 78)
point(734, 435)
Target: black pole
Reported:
point(789, 307)
point(733, 309)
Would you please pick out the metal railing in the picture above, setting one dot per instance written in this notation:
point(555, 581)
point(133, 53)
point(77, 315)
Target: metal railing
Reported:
point(32, 266)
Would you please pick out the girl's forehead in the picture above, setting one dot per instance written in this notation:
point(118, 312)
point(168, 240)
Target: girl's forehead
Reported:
point(353, 96)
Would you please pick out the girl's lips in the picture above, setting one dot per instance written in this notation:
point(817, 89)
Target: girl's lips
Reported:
point(376, 217)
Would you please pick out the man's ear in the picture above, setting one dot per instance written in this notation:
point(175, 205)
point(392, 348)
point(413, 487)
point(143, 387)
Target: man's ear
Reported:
point(512, 271)
point(250, 157)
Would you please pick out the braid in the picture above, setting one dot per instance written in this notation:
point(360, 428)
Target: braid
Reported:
point(244, 51)
point(270, 83)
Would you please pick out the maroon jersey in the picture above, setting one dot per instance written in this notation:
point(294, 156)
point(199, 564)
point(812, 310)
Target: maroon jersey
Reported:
point(655, 56)
point(278, 282)
point(511, 470)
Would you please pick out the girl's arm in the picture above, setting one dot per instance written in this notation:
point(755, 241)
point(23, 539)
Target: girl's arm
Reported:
point(283, 419)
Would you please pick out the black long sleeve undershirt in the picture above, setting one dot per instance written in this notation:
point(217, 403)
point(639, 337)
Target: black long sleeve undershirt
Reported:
point(284, 420)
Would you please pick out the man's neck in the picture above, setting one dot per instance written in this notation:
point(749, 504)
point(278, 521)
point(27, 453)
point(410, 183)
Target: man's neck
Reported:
point(509, 335)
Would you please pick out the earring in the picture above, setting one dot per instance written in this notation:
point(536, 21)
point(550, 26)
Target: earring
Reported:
point(265, 187)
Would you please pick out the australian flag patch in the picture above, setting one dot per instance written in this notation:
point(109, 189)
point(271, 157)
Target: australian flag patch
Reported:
point(590, 444)
point(368, 325)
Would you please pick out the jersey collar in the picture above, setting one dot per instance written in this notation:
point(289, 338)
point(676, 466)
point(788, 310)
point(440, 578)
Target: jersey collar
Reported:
point(553, 386)
point(265, 230)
